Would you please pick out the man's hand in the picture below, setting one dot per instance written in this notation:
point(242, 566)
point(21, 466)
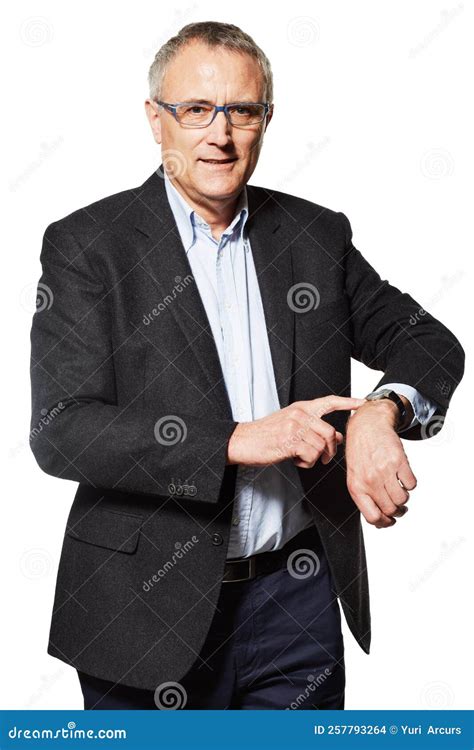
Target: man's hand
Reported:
point(376, 461)
point(296, 432)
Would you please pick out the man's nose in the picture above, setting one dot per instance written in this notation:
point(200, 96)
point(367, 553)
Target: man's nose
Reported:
point(220, 130)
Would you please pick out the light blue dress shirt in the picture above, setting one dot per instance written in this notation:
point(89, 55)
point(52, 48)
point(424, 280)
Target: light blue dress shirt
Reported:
point(269, 506)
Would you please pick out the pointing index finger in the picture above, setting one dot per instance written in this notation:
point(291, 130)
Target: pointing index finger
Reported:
point(340, 403)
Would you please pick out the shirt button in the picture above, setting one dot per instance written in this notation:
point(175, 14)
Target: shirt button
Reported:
point(236, 521)
point(216, 538)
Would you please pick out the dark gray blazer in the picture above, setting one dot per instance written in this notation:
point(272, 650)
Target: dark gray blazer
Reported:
point(120, 340)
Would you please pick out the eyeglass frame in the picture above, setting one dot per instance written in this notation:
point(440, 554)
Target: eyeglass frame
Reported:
point(222, 108)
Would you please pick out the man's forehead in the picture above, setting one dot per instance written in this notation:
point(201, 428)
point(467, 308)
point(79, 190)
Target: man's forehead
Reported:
point(189, 97)
point(213, 67)
point(187, 91)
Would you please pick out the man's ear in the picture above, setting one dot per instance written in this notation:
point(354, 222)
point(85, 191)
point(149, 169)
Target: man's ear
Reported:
point(151, 109)
point(269, 116)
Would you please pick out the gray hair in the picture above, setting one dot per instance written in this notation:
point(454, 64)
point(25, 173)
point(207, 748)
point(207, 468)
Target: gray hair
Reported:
point(214, 34)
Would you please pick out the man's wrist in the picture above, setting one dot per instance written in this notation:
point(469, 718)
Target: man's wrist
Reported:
point(230, 451)
point(386, 409)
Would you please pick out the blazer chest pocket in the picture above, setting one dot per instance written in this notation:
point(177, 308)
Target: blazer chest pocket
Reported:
point(109, 529)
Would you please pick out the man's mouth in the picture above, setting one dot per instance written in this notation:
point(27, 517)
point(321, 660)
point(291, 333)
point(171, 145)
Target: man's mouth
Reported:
point(219, 161)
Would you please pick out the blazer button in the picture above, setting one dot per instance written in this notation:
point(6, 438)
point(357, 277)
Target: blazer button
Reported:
point(217, 538)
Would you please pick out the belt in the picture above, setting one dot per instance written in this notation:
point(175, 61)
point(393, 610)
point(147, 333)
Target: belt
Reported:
point(246, 568)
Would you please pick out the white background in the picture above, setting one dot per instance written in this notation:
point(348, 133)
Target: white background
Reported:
point(372, 117)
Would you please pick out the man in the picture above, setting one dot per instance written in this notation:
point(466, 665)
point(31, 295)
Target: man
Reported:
point(191, 371)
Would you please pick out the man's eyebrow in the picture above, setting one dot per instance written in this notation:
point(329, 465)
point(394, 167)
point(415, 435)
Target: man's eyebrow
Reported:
point(206, 101)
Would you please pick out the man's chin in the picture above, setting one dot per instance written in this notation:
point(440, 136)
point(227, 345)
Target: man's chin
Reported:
point(218, 187)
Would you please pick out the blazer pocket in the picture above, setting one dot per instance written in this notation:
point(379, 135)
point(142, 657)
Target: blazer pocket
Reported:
point(107, 528)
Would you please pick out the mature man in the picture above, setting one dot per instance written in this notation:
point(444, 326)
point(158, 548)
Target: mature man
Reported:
point(191, 371)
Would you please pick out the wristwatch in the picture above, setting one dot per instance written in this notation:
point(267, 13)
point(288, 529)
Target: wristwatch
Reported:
point(387, 393)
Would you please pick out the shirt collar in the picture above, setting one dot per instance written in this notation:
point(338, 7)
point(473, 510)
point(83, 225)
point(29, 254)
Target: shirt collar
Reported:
point(187, 218)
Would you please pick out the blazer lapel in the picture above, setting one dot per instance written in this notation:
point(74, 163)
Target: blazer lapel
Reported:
point(270, 239)
point(159, 249)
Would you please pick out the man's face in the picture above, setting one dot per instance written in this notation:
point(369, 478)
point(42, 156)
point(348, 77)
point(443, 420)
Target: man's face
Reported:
point(218, 76)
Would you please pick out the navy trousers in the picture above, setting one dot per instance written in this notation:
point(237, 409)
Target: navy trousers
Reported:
point(275, 642)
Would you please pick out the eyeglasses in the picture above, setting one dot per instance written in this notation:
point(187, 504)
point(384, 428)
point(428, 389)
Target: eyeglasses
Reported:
point(200, 115)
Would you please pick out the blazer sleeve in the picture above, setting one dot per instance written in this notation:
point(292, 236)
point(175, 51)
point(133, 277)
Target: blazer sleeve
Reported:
point(392, 332)
point(78, 430)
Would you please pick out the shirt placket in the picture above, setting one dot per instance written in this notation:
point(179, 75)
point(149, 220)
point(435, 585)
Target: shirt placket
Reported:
point(238, 372)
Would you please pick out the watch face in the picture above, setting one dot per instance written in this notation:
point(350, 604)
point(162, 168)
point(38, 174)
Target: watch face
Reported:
point(381, 394)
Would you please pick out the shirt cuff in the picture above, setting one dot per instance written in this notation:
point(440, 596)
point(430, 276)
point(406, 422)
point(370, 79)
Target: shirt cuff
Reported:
point(423, 407)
